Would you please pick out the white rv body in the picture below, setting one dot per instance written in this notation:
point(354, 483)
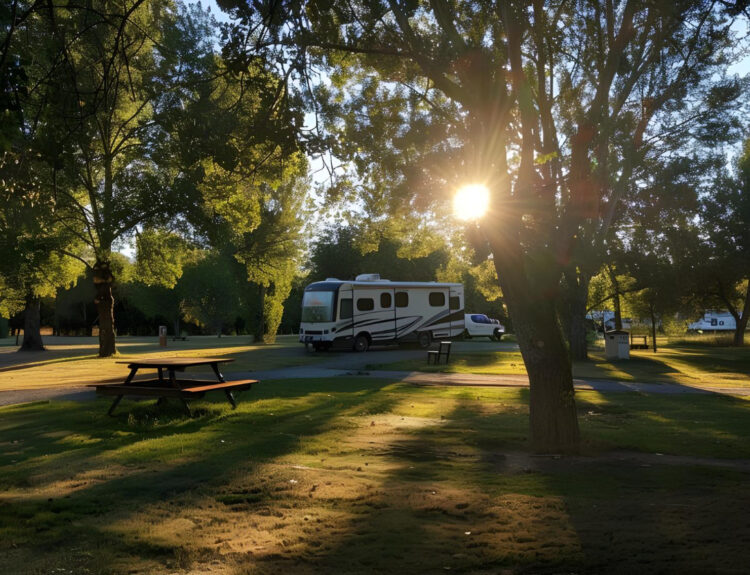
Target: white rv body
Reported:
point(713, 320)
point(370, 310)
point(607, 318)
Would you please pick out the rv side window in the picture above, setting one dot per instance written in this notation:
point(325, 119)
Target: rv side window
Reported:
point(437, 299)
point(365, 304)
point(713, 321)
point(455, 302)
point(385, 300)
point(402, 299)
point(345, 311)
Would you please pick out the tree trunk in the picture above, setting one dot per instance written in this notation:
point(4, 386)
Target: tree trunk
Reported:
point(616, 298)
point(741, 321)
point(554, 423)
point(552, 410)
point(260, 324)
point(32, 325)
point(578, 295)
point(105, 305)
point(653, 325)
point(618, 311)
point(176, 326)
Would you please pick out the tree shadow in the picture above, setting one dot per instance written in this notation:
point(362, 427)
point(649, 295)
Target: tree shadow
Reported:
point(453, 488)
point(467, 496)
point(65, 464)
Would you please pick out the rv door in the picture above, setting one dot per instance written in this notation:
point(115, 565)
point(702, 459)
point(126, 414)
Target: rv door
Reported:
point(455, 307)
point(345, 317)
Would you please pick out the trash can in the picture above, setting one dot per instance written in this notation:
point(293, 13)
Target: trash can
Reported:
point(617, 344)
point(162, 336)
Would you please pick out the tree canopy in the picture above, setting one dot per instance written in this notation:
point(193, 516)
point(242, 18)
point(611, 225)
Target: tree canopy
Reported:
point(552, 105)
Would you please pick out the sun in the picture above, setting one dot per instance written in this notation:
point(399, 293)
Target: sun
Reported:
point(471, 202)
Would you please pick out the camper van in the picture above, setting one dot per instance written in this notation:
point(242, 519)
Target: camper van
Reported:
point(370, 310)
point(713, 320)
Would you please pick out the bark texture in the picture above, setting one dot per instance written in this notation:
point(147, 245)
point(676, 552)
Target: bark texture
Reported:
point(105, 306)
point(32, 326)
point(531, 304)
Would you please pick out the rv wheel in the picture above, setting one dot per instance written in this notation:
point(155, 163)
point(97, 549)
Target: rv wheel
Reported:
point(497, 336)
point(424, 339)
point(361, 343)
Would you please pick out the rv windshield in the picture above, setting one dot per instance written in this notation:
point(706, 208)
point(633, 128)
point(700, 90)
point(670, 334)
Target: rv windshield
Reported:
point(317, 306)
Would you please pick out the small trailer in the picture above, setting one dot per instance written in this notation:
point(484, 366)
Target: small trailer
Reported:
point(714, 320)
point(370, 310)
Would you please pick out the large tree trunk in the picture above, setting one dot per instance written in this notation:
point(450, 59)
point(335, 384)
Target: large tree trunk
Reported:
point(653, 325)
point(552, 409)
point(32, 325)
point(105, 305)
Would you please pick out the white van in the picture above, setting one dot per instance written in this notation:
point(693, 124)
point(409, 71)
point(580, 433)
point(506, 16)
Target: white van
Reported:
point(479, 325)
point(369, 310)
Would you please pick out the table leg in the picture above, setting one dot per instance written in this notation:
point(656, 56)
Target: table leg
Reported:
point(114, 404)
point(173, 382)
point(230, 397)
point(130, 377)
point(220, 377)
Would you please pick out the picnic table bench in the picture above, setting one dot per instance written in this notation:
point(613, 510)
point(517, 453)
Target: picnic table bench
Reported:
point(638, 341)
point(443, 350)
point(170, 386)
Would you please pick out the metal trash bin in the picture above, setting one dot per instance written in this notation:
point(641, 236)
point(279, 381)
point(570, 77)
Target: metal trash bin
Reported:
point(162, 336)
point(617, 344)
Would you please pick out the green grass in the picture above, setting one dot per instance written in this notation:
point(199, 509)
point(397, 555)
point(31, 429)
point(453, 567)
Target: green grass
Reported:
point(74, 361)
point(360, 475)
point(680, 363)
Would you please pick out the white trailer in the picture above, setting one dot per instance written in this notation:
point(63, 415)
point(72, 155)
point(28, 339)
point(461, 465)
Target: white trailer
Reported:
point(713, 320)
point(370, 310)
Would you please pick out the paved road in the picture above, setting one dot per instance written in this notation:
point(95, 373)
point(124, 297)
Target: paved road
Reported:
point(360, 365)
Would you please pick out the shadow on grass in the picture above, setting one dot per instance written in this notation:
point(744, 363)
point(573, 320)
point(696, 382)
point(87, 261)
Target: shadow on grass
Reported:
point(455, 489)
point(467, 497)
point(65, 464)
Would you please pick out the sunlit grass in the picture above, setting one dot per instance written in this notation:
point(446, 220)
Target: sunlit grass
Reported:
point(704, 366)
point(360, 475)
point(74, 361)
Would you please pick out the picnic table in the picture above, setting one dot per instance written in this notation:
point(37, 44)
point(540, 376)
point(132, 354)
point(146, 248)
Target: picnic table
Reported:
point(172, 386)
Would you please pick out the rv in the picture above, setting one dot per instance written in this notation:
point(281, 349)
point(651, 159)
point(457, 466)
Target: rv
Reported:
point(713, 320)
point(369, 310)
point(605, 320)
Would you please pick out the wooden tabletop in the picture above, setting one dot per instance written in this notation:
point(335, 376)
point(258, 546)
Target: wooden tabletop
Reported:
point(177, 361)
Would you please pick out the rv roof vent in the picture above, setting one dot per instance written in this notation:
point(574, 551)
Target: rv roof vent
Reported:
point(332, 279)
point(368, 278)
